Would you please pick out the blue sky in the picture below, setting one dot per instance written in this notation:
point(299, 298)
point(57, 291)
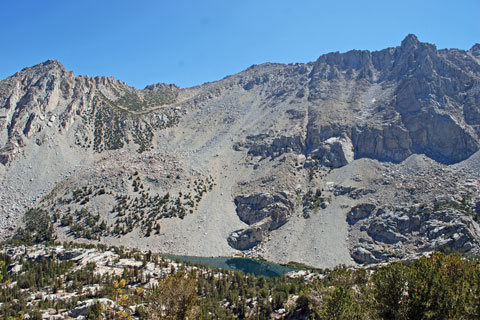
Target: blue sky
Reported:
point(192, 42)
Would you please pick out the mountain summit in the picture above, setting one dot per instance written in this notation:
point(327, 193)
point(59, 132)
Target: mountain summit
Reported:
point(358, 157)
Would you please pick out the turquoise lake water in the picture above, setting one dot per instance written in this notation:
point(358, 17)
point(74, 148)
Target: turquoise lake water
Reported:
point(246, 265)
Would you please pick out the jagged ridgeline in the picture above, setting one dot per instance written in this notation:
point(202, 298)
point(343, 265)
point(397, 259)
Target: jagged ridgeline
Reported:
point(358, 157)
point(47, 95)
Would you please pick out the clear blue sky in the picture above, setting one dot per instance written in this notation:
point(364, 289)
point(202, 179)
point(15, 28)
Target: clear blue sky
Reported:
point(192, 42)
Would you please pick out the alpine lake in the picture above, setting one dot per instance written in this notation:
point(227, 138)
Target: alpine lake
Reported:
point(246, 265)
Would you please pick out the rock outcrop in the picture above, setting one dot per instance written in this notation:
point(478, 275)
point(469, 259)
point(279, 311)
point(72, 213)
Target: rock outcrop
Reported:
point(263, 212)
point(395, 234)
point(334, 152)
point(360, 212)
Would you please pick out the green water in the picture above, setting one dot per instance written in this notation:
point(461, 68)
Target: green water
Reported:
point(256, 267)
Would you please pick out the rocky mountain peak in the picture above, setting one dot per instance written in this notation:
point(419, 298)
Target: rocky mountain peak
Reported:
point(475, 50)
point(411, 50)
point(49, 66)
point(53, 63)
point(386, 64)
point(161, 87)
point(410, 42)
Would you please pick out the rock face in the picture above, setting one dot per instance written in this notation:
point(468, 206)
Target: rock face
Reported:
point(334, 152)
point(386, 233)
point(415, 112)
point(263, 212)
point(397, 105)
point(248, 238)
point(255, 208)
point(282, 161)
point(48, 96)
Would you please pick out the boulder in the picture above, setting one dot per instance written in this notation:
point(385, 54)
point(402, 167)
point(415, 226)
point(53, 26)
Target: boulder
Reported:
point(362, 255)
point(263, 212)
point(359, 212)
point(257, 207)
point(334, 152)
point(245, 239)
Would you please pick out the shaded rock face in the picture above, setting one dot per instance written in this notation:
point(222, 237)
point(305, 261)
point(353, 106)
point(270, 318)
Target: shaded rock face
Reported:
point(245, 239)
point(430, 90)
point(263, 212)
point(386, 233)
point(255, 208)
point(391, 143)
point(265, 146)
point(430, 97)
point(360, 212)
point(412, 99)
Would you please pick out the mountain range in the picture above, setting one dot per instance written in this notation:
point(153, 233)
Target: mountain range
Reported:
point(358, 157)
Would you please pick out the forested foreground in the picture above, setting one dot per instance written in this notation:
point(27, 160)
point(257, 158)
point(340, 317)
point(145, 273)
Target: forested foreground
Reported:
point(136, 285)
